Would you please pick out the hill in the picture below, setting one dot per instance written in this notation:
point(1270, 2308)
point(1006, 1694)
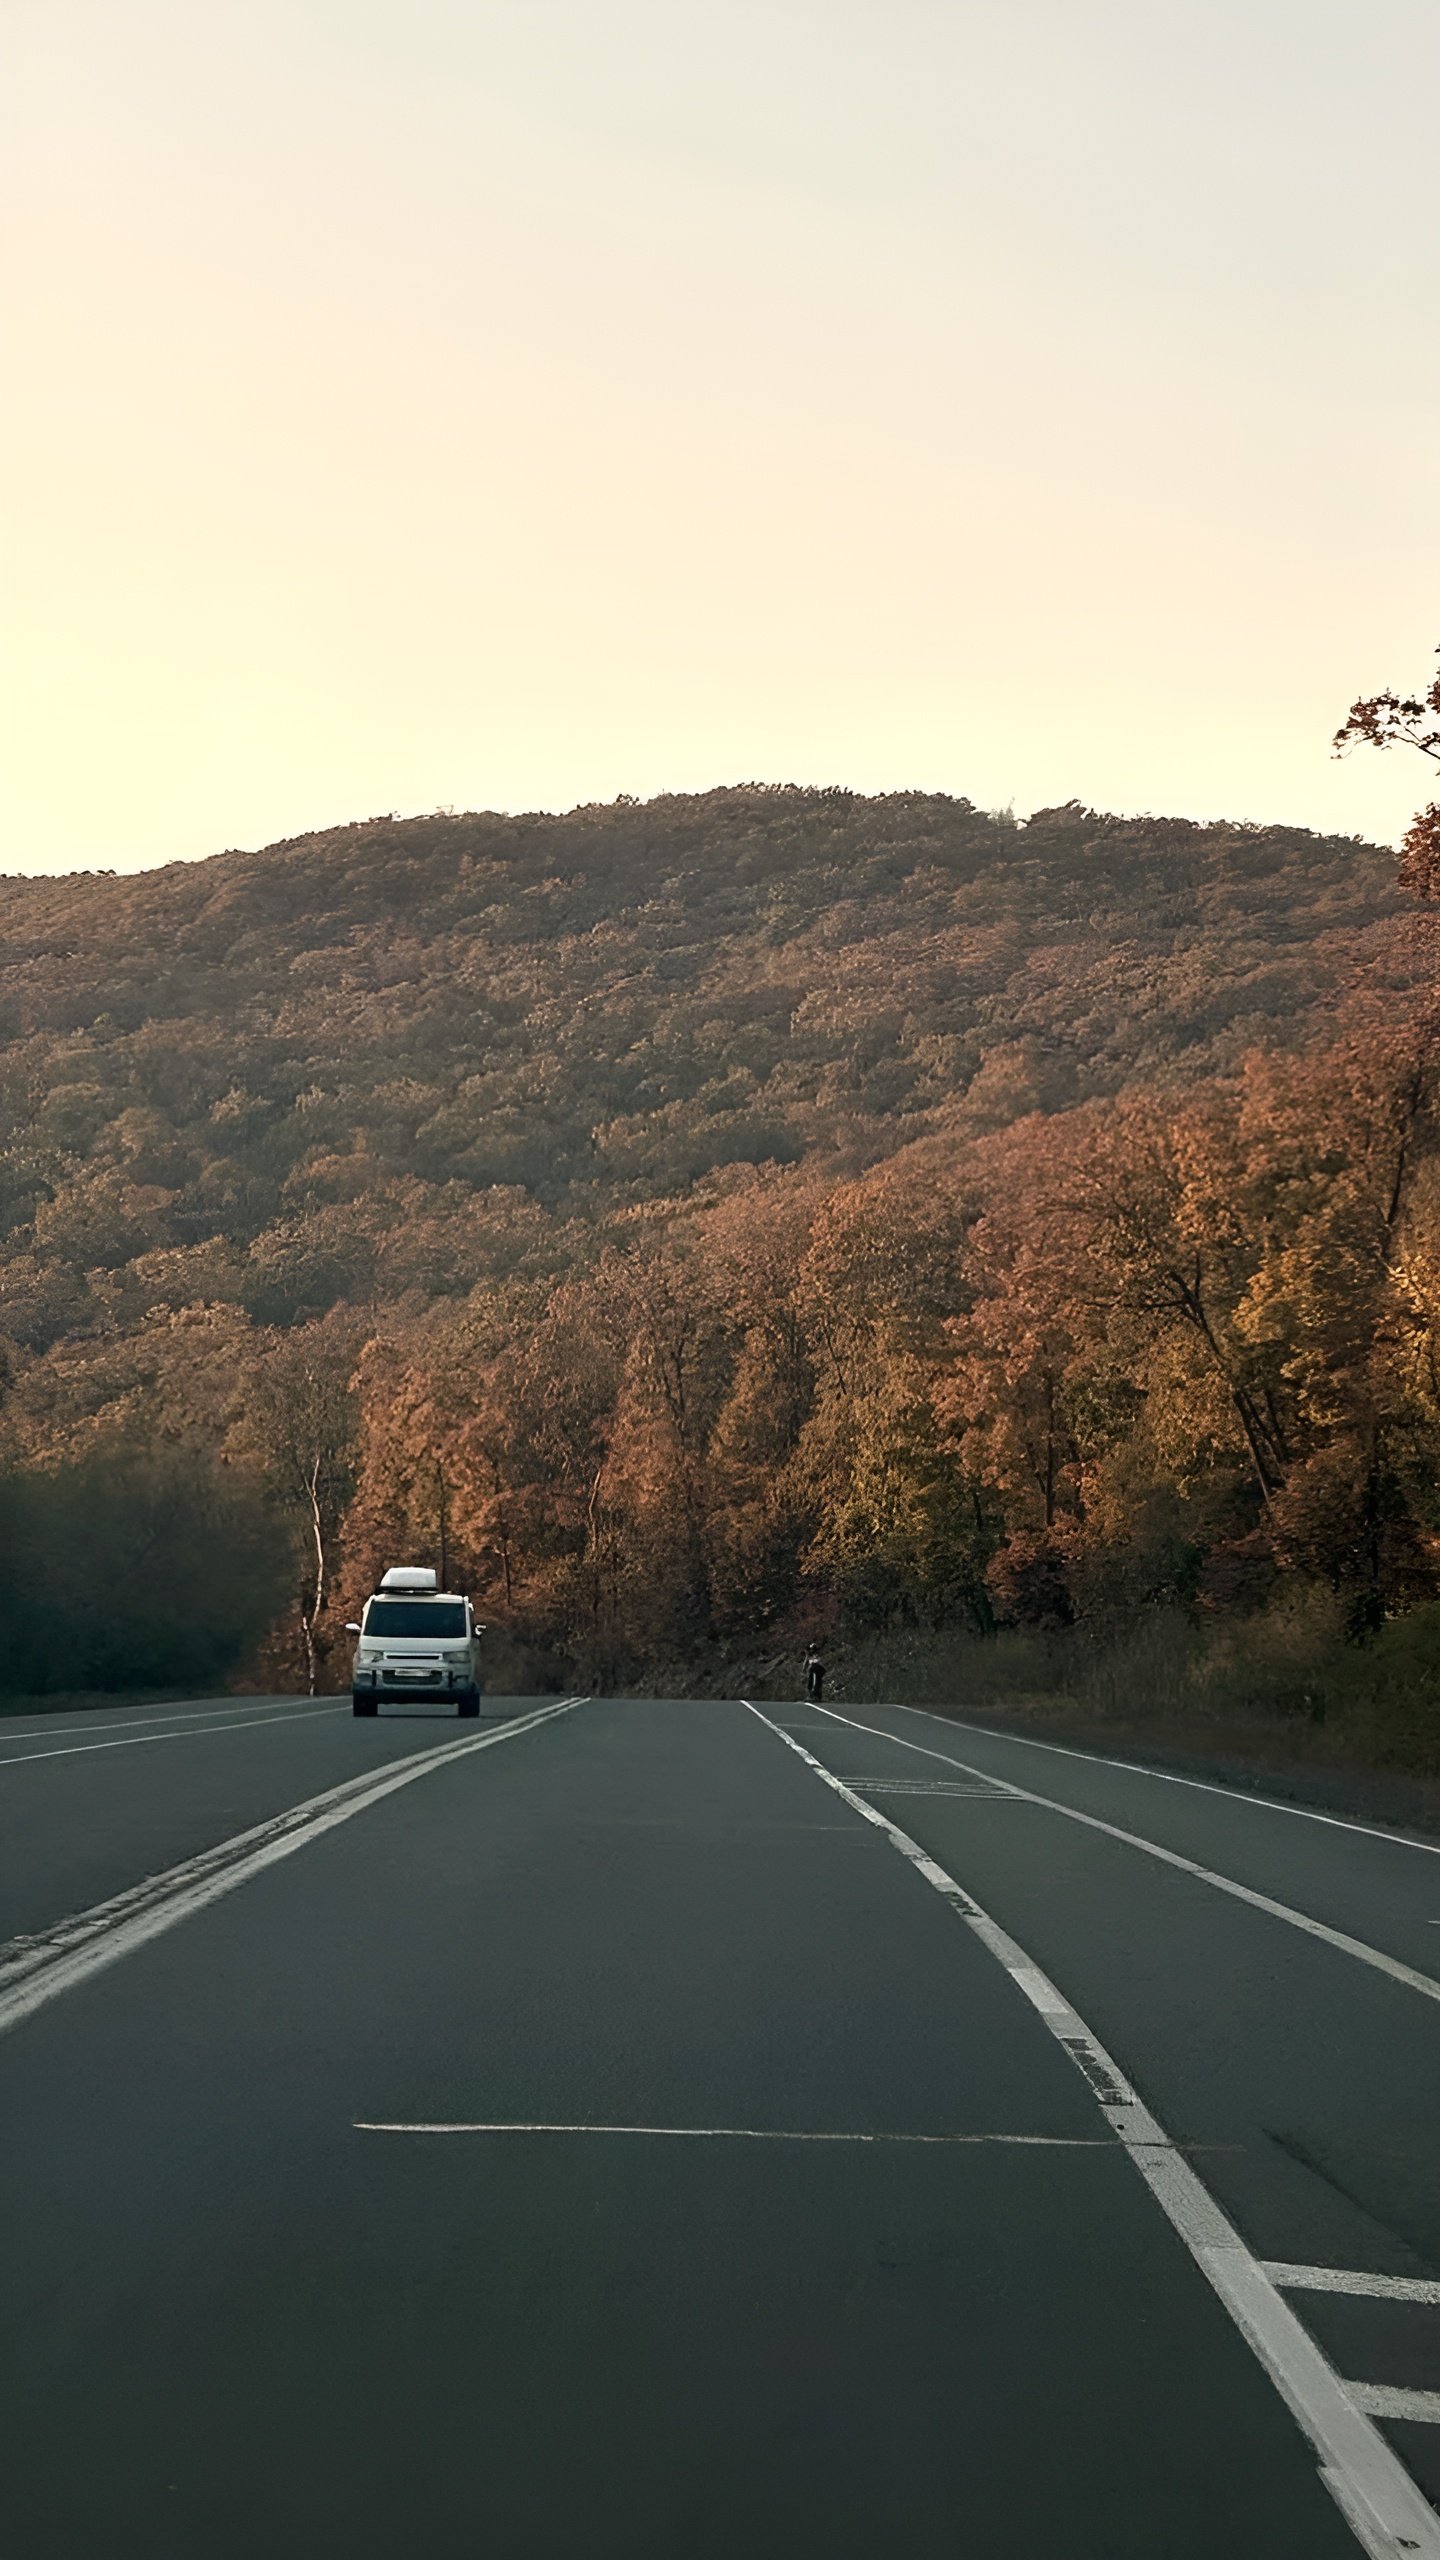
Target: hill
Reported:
point(391, 1056)
point(722, 1221)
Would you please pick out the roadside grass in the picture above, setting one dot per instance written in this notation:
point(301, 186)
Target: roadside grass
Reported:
point(1278, 1701)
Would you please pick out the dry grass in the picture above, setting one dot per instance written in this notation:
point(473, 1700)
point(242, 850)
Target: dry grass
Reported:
point(1281, 1696)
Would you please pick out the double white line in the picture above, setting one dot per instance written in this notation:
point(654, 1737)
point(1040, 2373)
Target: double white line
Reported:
point(34, 1970)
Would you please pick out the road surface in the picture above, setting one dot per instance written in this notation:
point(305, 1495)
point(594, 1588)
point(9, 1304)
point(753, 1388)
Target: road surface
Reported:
point(678, 2130)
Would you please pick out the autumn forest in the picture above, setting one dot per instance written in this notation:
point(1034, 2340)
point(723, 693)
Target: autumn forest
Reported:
point(705, 1226)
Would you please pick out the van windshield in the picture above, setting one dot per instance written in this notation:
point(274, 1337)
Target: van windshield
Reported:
point(415, 1618)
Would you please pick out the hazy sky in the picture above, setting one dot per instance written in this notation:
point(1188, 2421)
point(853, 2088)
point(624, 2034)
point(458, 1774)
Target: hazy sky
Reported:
point(507, 403)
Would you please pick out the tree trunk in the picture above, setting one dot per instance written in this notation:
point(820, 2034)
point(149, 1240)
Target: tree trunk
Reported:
point(307, 1631)
point(1192, 1303)
point(308, 1617)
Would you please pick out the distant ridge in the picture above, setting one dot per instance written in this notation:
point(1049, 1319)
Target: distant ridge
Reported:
point(253, 1076)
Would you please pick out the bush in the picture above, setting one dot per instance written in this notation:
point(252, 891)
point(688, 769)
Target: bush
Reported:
point(1286, 1682)
point(1386, 1694)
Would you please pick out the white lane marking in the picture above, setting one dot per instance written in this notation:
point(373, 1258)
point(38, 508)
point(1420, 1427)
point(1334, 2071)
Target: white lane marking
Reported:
point(1172, 1778)
point(1389, 2400)
point(102, 1720)
point(1369, 2484)
point(763, 2133)
point(1351, 2280)
point(134, 1741)
point(1357, 1947)
point(933, 1787)
point(36, 1970)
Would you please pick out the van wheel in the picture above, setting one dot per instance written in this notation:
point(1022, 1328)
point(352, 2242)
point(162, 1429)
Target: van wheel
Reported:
point(362, 1706)
point(470, 1702)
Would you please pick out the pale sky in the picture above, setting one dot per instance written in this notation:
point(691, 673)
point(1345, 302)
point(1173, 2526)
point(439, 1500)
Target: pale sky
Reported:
point(509, 403)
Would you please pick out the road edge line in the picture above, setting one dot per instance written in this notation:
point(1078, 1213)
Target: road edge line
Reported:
point(1393, 1838)
point(1369, 2484)
point(137, 1741)
point(88, 1942)
point(1340, 1939)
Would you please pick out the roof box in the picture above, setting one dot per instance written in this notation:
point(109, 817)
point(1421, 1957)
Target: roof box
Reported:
point(408, 1577)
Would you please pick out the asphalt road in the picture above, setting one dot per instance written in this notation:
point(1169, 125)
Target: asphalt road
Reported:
point(252, 2304)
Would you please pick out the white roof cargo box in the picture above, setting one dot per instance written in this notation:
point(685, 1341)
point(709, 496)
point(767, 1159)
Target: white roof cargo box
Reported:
point(408, 1577)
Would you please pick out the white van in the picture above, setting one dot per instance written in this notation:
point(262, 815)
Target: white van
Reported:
point(416, 1642)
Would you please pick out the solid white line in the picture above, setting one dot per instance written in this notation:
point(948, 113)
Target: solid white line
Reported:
point(1388, 2400)
point(102, 1721)
point(135, 1741)
point(1351, 2280)
point(1369, 2484)
point(1172, 1778)
point(36, 1970)
point(1357, 1947)
point(762, 2133)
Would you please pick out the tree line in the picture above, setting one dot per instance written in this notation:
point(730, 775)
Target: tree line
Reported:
point(1124, 1303)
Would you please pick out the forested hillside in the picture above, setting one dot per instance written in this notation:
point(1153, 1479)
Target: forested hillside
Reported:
point(721, 1220)
point(389, 1058)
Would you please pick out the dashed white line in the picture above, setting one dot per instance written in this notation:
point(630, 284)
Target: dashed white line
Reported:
point(1369, 2484)
point(1351, 2280)
point(136, 1741)
point(36, 1970)
point(1173, 1778)
point(1375, 1956)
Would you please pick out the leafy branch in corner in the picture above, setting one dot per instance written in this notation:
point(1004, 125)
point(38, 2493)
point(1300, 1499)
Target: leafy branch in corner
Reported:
point(1404, 720)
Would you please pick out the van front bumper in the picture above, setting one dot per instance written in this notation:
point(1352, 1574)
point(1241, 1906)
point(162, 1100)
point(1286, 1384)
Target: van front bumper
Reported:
point(388, 1685)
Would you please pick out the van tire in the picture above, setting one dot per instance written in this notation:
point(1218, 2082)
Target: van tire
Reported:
point(469, 1702)
point(362, 1706)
